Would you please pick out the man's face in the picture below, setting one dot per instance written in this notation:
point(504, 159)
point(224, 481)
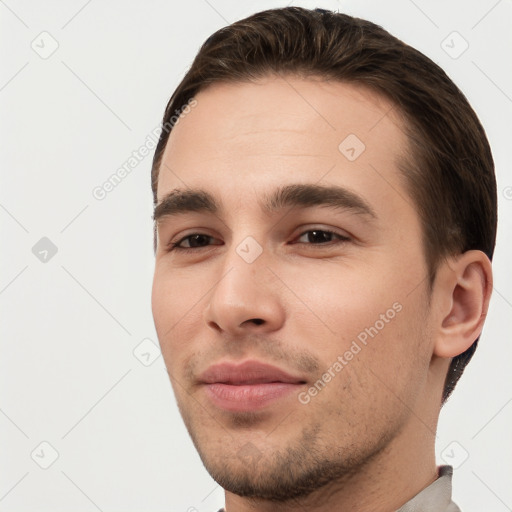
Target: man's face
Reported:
point(343, 315)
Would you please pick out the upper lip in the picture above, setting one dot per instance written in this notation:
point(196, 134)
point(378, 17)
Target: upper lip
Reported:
point(249, 372)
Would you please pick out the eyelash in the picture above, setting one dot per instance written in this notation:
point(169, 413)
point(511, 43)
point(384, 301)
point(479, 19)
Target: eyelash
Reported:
point(173, 246)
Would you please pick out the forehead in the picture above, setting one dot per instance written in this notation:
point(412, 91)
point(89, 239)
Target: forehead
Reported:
point(253, 136)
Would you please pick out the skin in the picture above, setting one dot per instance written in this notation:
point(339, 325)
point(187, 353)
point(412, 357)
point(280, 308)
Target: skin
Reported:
point(366, 440)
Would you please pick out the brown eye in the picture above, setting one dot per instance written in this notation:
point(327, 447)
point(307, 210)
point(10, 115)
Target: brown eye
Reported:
point(196, 241)
point(323, 237)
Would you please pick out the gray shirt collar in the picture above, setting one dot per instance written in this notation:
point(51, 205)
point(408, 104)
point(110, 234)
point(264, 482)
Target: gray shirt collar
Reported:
point(437, 497)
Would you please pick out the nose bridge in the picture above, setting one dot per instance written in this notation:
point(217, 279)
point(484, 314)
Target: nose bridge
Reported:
point(246, 247)
point(244, 270)
point(245, 288)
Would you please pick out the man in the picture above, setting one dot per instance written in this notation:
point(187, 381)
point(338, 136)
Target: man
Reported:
point(325, 217)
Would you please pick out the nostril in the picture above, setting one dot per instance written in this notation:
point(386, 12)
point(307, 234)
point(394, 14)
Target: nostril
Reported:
point(257, 321)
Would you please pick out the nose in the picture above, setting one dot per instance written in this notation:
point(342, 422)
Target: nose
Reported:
point(245, 297)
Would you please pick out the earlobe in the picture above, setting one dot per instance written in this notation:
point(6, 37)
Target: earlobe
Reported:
point(466, 285)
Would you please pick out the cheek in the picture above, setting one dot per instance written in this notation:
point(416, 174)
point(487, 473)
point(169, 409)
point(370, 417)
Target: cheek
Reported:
point(393, 363)
point(374, 323)
point(175, 305)
point(346, 298)
point(174, 292)
point(161, 302)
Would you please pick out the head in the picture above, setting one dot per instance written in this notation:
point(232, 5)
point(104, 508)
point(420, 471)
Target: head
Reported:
point(311, 120)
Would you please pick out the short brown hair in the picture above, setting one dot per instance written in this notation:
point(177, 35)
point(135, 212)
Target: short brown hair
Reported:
point(450, 171)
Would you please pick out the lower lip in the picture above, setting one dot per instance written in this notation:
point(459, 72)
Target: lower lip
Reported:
point(248, 397)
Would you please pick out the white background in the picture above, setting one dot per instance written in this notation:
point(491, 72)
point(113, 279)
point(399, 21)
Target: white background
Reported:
point(69, 376)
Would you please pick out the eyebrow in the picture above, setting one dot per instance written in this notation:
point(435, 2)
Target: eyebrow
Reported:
point(295, 195)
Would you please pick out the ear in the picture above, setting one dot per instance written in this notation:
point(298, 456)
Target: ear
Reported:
point(463, 292)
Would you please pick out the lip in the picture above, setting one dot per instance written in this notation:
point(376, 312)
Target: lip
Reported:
point(248, 372)
point(248, 386)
